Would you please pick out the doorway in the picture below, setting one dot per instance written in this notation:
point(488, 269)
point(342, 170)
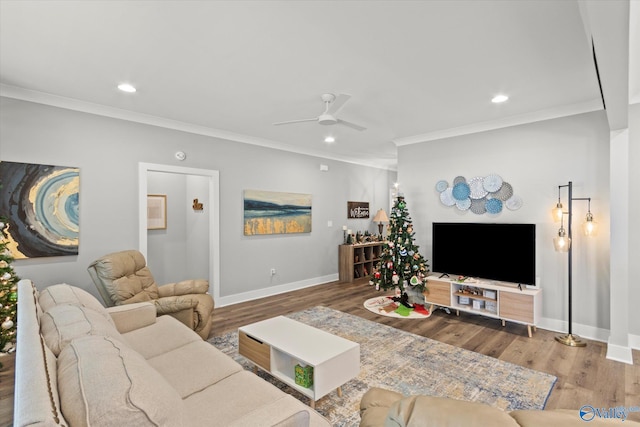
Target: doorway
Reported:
point(211, 180)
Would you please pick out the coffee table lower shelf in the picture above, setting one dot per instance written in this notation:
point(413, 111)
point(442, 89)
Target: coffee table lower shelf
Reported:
point(277, 345)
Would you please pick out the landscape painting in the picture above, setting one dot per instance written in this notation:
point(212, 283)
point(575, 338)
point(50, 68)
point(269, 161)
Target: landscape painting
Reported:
point(41, 204)
point(268, 212)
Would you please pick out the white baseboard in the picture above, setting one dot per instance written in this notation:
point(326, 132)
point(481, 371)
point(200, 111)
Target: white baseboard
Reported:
point(619, 353)
point(584, 331)
point(614, 352)
point(274, 290)
point(634, 341)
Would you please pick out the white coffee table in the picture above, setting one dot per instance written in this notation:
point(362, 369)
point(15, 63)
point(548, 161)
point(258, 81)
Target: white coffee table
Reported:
point(278, 344)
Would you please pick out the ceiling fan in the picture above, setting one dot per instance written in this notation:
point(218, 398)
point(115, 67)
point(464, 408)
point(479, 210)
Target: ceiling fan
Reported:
point(332, 104)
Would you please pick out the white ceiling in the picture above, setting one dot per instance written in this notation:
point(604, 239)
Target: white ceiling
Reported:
point(416, 70)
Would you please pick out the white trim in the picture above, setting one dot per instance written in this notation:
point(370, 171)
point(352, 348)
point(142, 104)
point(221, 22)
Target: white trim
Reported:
point(619, 353)
point(274, 290)
point(584, 331)
point(132, 116)
point(214, 217)
point(537, 116)
point(634, 341)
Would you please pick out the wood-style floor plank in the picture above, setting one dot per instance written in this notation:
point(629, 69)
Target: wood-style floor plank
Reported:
point(585, 376)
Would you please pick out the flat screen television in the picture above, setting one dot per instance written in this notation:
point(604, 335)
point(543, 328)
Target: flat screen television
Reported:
point(501, 252)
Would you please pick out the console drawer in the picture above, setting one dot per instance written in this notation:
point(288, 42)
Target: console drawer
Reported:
point(438, 292)
point(254, 350)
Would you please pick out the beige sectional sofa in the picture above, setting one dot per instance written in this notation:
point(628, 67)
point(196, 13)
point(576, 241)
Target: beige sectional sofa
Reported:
point(386, 408)
point(79, 364)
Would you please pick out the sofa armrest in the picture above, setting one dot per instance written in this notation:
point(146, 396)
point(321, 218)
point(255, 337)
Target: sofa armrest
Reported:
point(184, 287)
point(129, 317)
point(375, 404)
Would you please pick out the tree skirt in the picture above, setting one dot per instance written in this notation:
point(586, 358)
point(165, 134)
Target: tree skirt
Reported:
point(385, 306)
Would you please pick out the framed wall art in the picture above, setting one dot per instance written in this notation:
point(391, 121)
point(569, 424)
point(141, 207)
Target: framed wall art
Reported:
point(41, 205)
point(269, 212)
point(156, 211)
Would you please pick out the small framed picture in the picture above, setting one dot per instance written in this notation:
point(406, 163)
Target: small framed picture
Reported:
point(156, 211)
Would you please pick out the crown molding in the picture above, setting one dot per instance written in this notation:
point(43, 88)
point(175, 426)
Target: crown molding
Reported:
point(537, 116)
point(44, 98)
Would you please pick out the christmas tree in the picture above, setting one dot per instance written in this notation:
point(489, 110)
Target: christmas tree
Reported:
point(401, 265)
point(8, 294)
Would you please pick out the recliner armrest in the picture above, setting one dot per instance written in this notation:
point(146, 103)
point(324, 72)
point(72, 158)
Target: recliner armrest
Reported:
point(172, 304)
point(184, 287)
point(129, 317)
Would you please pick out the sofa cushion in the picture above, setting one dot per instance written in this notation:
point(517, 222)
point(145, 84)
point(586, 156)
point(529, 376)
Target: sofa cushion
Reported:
point(177, 367)
point(67, 294)
point(164, 335)
point(63, 323)
point(247, 391)
point(423, 411)
point(119, 384)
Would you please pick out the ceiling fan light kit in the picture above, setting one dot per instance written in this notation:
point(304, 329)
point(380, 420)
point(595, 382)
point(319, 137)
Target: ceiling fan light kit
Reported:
point(332, 104)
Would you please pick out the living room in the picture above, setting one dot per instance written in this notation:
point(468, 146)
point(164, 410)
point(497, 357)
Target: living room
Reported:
point(115, 144)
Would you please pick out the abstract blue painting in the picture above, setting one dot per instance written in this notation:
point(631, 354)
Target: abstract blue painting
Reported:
point(41, 205)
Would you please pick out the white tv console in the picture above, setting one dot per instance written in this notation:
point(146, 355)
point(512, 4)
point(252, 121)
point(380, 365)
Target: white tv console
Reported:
point(499, 300)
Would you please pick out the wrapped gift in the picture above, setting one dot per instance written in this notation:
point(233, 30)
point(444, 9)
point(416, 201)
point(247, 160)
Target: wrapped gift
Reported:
point(304, 375)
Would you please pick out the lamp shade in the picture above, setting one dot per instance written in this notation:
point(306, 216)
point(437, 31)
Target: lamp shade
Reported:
point(589, 226)
point(562, 242)
point(381, 216)
point(557, 212)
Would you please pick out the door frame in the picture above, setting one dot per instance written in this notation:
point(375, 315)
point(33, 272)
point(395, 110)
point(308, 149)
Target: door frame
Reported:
point(214, 214)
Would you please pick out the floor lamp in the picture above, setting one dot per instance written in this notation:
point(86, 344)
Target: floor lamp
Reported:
point(562, 243)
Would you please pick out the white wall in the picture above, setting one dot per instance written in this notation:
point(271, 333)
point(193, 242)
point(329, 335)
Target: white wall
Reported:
point(634, 223)
point(108, 152)
point(534, 158)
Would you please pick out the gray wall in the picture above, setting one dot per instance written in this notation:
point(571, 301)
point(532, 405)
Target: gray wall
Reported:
point(108, 152)
point(534, 158)
point(182, 249)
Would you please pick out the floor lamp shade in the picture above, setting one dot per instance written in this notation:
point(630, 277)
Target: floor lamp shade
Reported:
point(562, 242)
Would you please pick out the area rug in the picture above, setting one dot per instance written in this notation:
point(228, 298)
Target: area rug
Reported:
point(410, 364)
point(385, 306)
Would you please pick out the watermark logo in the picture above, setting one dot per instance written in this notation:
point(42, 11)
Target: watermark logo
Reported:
point(588, 412)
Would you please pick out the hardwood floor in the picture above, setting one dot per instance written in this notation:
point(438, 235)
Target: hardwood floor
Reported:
point(585, 375)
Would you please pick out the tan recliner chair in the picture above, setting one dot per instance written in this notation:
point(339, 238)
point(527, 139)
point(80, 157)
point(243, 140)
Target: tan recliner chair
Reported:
point(124, 278)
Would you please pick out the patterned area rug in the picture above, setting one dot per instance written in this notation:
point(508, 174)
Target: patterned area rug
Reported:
point(410, 364)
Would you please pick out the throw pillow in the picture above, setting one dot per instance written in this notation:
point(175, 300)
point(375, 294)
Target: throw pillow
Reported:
point(103, 382)
point(63, 323)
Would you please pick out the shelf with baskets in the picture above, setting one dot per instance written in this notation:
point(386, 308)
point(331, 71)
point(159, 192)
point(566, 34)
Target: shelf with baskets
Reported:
point(358, 261)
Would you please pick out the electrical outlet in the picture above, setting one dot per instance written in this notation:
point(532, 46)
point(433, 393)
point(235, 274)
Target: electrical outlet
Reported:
point(273, 271)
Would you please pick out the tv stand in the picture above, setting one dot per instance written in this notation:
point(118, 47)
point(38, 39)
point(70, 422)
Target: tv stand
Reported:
point(512, 303)
point(443, 275)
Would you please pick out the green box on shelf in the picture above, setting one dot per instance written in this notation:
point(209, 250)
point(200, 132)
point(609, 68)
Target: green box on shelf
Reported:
point(304, 375)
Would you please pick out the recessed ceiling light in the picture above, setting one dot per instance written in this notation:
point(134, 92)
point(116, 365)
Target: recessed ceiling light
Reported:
point(499, 98)
point(329, 139)
point(126, 87)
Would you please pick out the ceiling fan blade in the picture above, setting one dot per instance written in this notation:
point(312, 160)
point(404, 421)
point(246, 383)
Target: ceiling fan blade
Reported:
point(337, 103)
point(351, 125)
point(315, 119)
